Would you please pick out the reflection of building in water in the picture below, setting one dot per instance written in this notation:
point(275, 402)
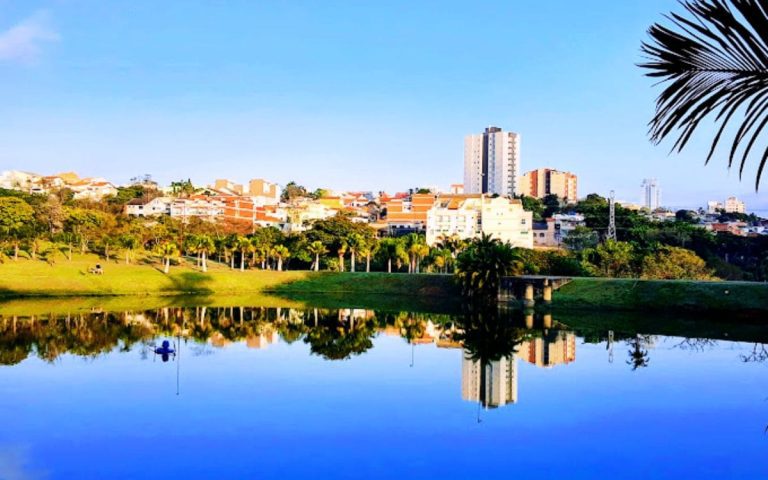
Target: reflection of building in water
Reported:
point(493, 384)
point(555, 348)
point(262, 340)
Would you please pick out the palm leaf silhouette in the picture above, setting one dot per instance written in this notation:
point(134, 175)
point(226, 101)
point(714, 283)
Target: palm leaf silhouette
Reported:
point(714, 66)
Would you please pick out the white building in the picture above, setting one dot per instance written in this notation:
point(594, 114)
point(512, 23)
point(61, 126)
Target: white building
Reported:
point(651, 194)
point(492, 385)
point(713, 206)
point(551, 232)
point(734, 205)
point(92, 189)
point(468, 216)
point(139, 207)
point(200, 206)
point(18, 180)
point(492, 162)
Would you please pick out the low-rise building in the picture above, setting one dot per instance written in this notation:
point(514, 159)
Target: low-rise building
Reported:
point(92, 189)
point(140, 207)
point(408, 214)
point(551, 232)
point(734, 205)
point(469, 216)
point(199, 206)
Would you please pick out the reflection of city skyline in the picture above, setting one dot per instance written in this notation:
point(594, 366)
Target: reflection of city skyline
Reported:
point(494, 383)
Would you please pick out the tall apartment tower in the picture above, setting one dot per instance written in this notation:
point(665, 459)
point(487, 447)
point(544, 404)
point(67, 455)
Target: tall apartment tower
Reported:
point(545, 181)
point(492, 162)
point(651, 194)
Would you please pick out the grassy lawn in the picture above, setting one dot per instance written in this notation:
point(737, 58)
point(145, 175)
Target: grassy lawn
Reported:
point(628, 294)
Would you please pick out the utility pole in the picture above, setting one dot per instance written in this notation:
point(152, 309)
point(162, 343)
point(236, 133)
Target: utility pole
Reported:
point(611, 218)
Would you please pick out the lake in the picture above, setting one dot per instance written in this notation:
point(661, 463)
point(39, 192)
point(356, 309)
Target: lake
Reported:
point(282, 393)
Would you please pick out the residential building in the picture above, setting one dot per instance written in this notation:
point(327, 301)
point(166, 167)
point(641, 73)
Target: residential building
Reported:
point(734, 205)
point(546, 181)
point(714, 207)
point(551, 232)
point(140, 207)
point(200, 206)
point(226, 186)
point(468, 216)
point(266, 193)
point(408, 214)
point(492, 384)
point(651, 194)
point(492, 162)
point(456, 189)
point(92, 189)
point(554, 348)
point(18, 180)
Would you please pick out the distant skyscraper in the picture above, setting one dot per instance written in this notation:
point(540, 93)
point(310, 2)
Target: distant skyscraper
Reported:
point(492, 162)
point(651, 194)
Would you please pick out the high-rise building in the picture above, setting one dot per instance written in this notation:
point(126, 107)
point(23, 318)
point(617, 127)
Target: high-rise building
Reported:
point(493, 384)
point(651, 194)
point(546, 181)
point(492, 162)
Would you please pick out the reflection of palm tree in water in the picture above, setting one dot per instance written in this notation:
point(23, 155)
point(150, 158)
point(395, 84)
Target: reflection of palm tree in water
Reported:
point(337, 337)
point(638, 353)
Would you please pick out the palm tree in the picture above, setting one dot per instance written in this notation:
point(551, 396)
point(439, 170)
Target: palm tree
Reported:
point(355, 241)
point(203, 245)
point(414, 244)
point(243, 245)
point(392, 249)
point(482, 265)
point(129, 242)
point(370, 246)
point(341, 249)
point(316, 249)
point(715, 66)
point(280, 252)
point(167, 250)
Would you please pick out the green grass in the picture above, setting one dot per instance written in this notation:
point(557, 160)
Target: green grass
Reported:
point(680, 295)
point(67, 279)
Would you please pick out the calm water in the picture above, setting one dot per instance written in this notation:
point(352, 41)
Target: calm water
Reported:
point(281, 393)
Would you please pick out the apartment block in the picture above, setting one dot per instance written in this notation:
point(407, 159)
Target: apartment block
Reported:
point(492, 162)
point(546, 181)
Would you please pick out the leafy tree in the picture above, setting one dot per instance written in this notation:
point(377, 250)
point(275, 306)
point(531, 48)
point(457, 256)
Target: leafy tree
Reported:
point(293, 191)
point(673, 263)
point(129, 242)
point(15, 217)
point(552, 205)
point(611, 259)
point(533, 204)
point(715, 67)
point(580, 238)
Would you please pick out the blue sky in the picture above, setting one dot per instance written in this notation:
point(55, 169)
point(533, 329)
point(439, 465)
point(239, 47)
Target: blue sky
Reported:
point(346, 95)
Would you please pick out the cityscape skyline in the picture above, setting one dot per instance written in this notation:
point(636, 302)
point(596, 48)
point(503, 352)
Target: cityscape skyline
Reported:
point(84, 90)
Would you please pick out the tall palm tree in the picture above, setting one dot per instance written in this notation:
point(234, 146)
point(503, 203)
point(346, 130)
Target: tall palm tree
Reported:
point(392, 249)
point(280, 252)
point(355, 241)
point(714, 62)
point(341, 249)
point(482, 265)
point(243, 245)
point(316, 249)
point(204, 246)
point(167, 250)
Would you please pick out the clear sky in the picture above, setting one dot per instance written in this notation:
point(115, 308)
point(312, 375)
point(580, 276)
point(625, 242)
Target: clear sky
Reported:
point(346, 95)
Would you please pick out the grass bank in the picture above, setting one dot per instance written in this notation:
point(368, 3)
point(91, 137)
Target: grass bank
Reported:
point(27, 278)
point(668, 295)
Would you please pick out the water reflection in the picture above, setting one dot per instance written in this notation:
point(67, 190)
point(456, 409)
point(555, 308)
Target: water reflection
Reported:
point(492, 341)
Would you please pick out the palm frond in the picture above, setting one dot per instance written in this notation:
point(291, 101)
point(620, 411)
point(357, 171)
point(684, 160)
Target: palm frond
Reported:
point(714, 65)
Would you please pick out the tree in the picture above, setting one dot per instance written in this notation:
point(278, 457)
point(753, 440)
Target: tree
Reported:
point(15, 217)
point(482, 265)
point(552, 205)
point(316, 249)
point(534, 205)
point(674, 263)
point(242, 245)
point(715, 66)
point(167, 250)
point(280, 252)
point(392, 249)
point(293, 191)
point(203, 245)
point(128, 242)
point(355, 242)
point(611, 259)
point(580, 238)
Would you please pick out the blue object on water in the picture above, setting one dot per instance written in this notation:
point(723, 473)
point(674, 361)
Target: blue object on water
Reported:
point(165, 349)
